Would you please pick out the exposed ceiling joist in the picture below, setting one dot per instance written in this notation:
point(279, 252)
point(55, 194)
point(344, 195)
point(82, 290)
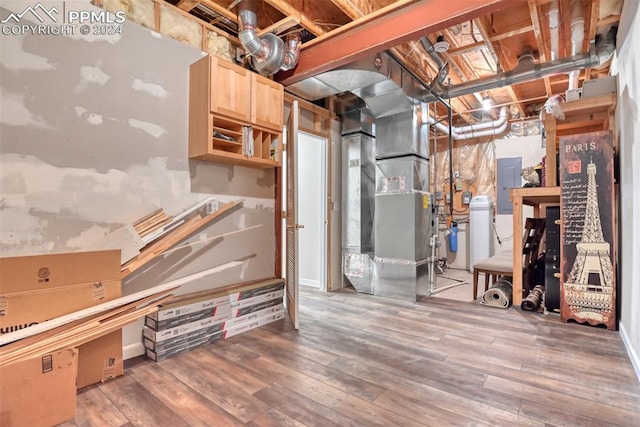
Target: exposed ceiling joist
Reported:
point(281, 26)
point(513, 33)
point(219, 10)
point(287, 10)
point(187, 5)
point(542, 51)
point(482, 26)
point(388, 30)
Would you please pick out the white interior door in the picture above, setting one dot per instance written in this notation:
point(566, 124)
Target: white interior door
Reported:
point(292, 226)
point(312, 209)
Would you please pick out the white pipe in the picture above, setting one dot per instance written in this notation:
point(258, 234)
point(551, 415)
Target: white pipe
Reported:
point(554, 24)
point(577, 38)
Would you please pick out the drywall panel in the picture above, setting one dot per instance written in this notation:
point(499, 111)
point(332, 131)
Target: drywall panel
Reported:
point(93, 136)
point(628, 122)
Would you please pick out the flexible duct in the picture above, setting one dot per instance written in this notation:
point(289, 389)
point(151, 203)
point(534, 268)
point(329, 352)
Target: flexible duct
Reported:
point(477, 130)
point(577, 38)
point(268, 53)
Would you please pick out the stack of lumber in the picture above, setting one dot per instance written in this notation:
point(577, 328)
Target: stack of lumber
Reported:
point(202, 318)
point(150, 223)
point(173, 237)
point(82, 326)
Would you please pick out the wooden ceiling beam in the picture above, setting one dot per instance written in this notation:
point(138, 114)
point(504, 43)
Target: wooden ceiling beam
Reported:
point(356, 40)
point(219, 10)
point(281, 26)
point(591, 29)
point(482, 26)
point(288, 10)
point(466, 48)
point(186, 5)
point(512, 33)
point(542, 51)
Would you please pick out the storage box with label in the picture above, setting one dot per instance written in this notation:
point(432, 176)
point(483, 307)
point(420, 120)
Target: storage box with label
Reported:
point(38, 288)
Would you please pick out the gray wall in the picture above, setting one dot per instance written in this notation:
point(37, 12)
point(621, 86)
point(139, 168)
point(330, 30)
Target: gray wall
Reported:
point(628, 123)
point(94, 135)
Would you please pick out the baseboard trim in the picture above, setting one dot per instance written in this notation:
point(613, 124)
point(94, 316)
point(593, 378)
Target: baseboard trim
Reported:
point(633, 356)
point(309, 282)
point(132, 350)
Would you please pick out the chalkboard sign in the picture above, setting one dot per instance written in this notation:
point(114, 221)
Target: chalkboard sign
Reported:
point(588, 286)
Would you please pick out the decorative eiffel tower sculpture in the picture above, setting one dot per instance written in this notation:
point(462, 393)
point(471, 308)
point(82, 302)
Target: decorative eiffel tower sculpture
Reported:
point(589, 289)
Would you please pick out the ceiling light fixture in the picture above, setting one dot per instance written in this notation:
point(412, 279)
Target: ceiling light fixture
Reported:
point(487, 103)
point(441, 45)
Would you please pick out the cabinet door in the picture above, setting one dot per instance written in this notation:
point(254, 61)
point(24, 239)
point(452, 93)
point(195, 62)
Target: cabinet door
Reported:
point(267, 103)
point(230, 90)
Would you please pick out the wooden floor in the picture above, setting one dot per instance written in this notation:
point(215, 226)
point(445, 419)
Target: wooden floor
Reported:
point(362, 360)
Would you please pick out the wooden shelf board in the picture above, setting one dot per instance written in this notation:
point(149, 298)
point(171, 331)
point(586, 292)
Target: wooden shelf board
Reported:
point(587, 105)
point(536, 195)
point(237, 159)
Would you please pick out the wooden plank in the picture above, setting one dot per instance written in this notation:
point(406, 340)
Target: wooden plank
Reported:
point(185, 230)
point(281, 26)
point(512, 33)
point(156, 292)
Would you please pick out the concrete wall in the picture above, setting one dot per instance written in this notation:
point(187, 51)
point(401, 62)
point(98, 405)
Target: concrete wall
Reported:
point(94, 135)
point(628, 123)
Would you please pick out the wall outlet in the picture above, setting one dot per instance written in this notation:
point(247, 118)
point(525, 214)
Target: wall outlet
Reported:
point(438, 195)
point(456, 174)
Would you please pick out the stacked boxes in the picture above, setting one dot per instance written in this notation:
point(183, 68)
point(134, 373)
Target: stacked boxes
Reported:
point(34, 289)
point(201, 319)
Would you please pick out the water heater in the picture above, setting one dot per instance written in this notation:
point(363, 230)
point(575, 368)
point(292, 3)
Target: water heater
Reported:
point(480, 229)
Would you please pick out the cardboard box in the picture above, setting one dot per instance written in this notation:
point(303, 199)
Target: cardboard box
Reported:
point(37, 288)
point(100, 360)
point(39, 392)
point(24, 309)
point(41, 272)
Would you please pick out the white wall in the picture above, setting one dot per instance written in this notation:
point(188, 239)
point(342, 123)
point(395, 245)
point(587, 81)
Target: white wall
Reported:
point(94, 135)
point(628, 123)
point(531, 151)
point(311, 154)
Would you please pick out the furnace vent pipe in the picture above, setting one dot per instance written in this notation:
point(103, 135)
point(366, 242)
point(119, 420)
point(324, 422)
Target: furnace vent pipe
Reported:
point(554, 24)
point(268, 53)
point(577, 38)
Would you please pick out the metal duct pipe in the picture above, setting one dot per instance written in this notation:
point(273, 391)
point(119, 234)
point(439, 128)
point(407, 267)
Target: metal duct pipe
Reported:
point(426, 44)
point(488, 129)
point(537, 71)
point(267, 53)
point(577, 38)
point(554, 24)
point(292, 51)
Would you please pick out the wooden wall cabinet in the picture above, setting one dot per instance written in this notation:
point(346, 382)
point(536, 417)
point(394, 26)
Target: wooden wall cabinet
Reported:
point(230, 107)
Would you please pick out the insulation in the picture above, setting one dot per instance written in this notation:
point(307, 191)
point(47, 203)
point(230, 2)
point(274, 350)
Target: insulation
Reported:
point(138, 11)
point(475, 162)
point(219, 46)
point(180, 28)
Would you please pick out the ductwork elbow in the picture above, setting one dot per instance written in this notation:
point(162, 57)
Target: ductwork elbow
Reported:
point(266, 52)
point(292, 52)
